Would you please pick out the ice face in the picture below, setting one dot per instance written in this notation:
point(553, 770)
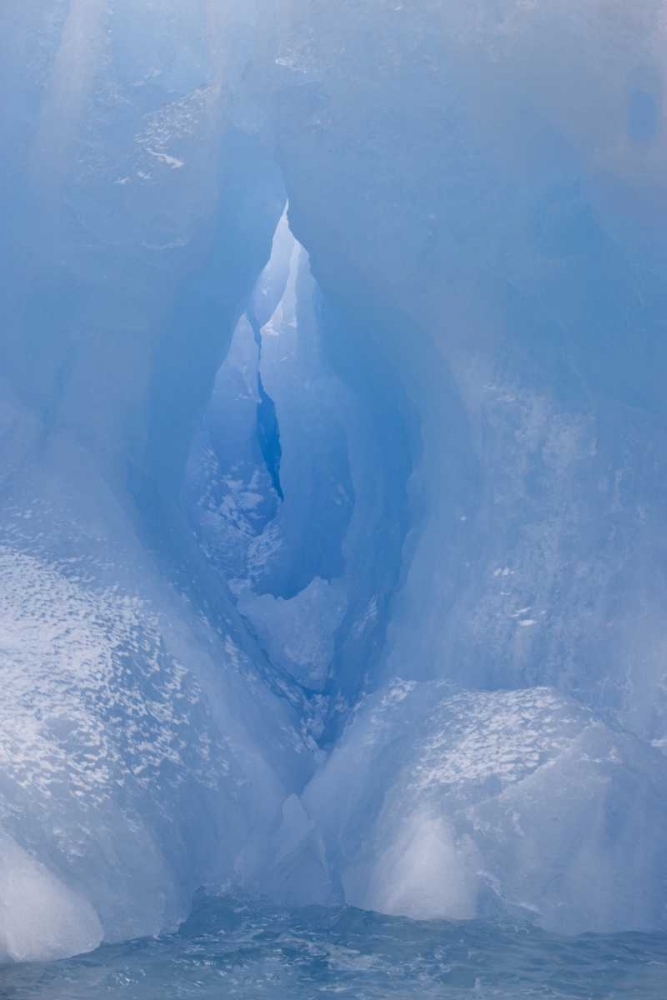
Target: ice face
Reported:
point(258, 462)
point(454, 804)
point(135, 713)
point(518, 267)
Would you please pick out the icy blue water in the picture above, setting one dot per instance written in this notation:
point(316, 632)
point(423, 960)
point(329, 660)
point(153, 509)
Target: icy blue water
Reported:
point(231, 948)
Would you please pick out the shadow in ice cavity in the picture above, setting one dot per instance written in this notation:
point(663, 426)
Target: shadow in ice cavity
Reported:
point(268, 435)
point(268, 428)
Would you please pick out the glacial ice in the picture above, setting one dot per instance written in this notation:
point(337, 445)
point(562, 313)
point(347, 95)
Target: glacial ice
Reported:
point(332, 428)
point(41, 917)
point(454, 804)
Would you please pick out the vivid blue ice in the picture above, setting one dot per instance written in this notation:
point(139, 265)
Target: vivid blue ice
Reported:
point(333, 438)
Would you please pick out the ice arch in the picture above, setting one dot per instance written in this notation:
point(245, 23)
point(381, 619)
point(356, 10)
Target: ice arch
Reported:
point(366, 688)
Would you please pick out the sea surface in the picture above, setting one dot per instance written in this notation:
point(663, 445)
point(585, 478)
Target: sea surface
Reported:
point(247, 949)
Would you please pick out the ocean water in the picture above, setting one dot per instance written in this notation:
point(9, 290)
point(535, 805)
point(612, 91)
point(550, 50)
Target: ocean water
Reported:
point(247, 949)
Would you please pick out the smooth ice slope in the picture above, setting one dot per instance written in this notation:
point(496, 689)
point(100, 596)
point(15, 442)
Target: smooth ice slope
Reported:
point(41, 917)
point(330, 560)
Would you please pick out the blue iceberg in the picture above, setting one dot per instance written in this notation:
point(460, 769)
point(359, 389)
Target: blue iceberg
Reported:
point(333, 437)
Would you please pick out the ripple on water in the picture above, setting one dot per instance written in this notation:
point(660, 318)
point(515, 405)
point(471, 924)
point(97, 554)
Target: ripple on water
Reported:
point(232, 948)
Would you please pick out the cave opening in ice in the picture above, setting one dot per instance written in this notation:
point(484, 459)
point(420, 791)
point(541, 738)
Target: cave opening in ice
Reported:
point(287, 482)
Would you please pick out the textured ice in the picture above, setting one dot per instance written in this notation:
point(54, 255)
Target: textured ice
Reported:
point(299, 633)
point(455, 804)
point(105, 731)
point(331, 352)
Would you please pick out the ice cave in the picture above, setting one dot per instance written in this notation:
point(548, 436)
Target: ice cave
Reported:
point(333, 497)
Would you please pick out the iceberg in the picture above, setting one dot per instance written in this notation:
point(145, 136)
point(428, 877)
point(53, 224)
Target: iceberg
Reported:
point(332, 429)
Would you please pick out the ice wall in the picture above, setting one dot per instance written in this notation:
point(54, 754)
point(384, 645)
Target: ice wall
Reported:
point(442, 803)
point(249, 482)
point(143, 752)
point(497, 192)
point(495, 195)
